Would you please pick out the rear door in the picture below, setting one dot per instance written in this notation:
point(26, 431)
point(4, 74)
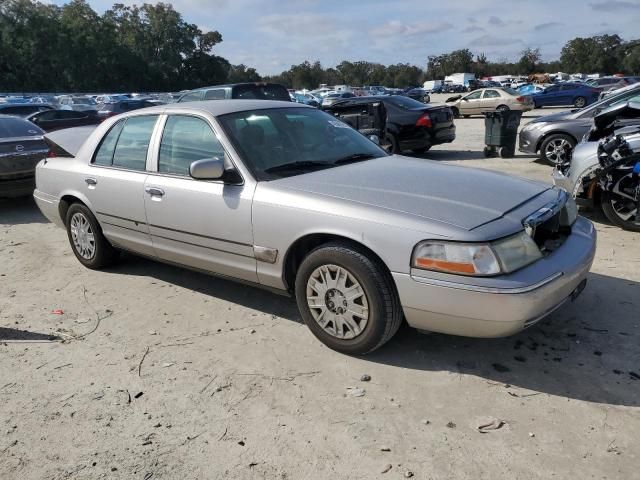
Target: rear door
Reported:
point(200, 223)
point(490, 100)
point(115, 182)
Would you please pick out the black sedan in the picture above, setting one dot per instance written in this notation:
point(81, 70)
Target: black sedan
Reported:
point(107, 110)
point(400, 122)
point(23, 109)
point(22, 146)
point(51, 120)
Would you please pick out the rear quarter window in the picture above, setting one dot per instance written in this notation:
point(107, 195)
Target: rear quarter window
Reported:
point(104, 153)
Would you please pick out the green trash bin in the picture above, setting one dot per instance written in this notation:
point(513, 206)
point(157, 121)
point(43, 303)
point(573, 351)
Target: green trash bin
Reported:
point(501, 132)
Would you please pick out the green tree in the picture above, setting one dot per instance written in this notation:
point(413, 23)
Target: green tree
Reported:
point(529, 60)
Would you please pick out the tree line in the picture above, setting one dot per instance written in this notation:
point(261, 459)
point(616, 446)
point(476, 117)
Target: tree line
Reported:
point(49, 48)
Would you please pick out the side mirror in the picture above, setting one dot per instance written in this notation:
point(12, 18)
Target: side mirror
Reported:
point(375, 139)
point(207, 169)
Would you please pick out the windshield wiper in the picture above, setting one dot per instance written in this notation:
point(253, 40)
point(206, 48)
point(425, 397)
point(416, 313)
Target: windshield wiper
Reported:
point(356, 157)
point(303, 165)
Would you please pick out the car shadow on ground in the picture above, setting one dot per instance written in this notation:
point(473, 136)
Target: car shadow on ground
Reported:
point(588, 350)
point(14, 335)
point(21, 210)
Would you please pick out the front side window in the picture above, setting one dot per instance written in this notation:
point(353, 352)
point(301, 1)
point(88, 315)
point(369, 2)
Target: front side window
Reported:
point(191, 97)
point(104, 154)
point(133, 143)
point(474, 96)
point(280, 142)
point(184, 140)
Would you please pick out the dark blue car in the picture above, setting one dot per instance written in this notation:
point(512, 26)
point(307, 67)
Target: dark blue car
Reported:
point(577, 94)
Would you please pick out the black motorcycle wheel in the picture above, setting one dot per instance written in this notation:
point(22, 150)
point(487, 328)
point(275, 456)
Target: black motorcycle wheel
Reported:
point(619, 207)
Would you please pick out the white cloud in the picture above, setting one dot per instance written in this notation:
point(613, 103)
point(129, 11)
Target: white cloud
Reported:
point(396, 27)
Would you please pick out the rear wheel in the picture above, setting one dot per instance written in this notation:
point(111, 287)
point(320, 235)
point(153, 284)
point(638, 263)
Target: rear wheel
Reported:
point(88, 243)
point(347, 299)
point(503, 108)
point(390, 143)
point(620, 207)
point(579, 102)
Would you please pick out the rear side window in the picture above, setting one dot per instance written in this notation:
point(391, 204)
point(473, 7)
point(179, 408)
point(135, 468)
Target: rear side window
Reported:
point(216, 94)
point(133, 143)
point(104, 155)
point(185, 140)
point(191, 97)
point(261, 92)
point(491, 94)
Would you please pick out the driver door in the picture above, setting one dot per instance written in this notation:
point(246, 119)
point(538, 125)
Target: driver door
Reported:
point(472, 103)
point(205, 224)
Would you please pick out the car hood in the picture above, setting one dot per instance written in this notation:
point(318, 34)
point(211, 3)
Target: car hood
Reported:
point(555, 117)
point(458, 196)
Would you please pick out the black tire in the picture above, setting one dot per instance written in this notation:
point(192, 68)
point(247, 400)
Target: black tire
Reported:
point(390, 143)
point(488, 152)
point(579, 102)
point(607, 207)
point(502, 108)
point(426, 99)
point(506, 152)
point(421, 150)
point(456, 112)
point(558, 139)
point(104, 254)
point(385, 312)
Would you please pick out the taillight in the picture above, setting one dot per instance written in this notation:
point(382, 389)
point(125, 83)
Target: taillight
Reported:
point(520, 99)
point(51, 154)
point(424, 121)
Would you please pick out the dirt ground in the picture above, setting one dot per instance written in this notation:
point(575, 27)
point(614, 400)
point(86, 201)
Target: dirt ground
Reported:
point(146, 371)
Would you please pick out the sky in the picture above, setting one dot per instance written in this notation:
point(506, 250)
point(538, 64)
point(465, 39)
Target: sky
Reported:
point(272, 35)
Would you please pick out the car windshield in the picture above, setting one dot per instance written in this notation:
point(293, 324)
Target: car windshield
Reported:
point(303, 139)
point(83, 101)
point(405, 103)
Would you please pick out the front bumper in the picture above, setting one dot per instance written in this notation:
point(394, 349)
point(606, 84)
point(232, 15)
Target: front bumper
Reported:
point(503, 305)
point(527, 141)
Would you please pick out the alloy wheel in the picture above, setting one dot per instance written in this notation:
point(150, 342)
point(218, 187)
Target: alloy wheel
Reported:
point(82, 236)
point(623, 201)
point(557, 150)
point(337, 301)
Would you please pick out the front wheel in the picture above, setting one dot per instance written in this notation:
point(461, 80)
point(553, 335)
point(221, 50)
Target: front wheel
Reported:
point(619, 205)
point(456, 112)
point(347, 299)
point(88, 243)
point(556, 149)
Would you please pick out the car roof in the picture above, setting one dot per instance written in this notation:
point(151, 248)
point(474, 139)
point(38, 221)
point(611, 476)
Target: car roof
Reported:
point(229, 85)
point(221, 107)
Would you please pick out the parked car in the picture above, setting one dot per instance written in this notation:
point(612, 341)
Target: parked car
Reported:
point(305, 99)
point(332, 98)
point(400, 123)
point(299, 202)
point(50, 120)
point(488, 100)
point(110, 109)
point(611, 128)
point(22, 146)
point(23, 109)
point(113, 98)
point(79, 103)
point(578, 95)
point(418, 94)
point(623, 82)
point(245, 91)
point(554, 136)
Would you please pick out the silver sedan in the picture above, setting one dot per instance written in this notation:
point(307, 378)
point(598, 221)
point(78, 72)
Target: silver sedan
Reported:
point(287, 197)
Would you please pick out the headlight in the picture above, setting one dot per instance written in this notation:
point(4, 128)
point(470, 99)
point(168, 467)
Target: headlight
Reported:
point(569, 213)
point(477, 259)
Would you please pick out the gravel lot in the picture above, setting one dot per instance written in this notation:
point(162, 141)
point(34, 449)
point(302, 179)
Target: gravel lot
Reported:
point(147, 371)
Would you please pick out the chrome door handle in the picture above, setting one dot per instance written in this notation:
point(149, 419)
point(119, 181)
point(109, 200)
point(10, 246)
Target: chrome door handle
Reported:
point(155, 191)
point(90, 181)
